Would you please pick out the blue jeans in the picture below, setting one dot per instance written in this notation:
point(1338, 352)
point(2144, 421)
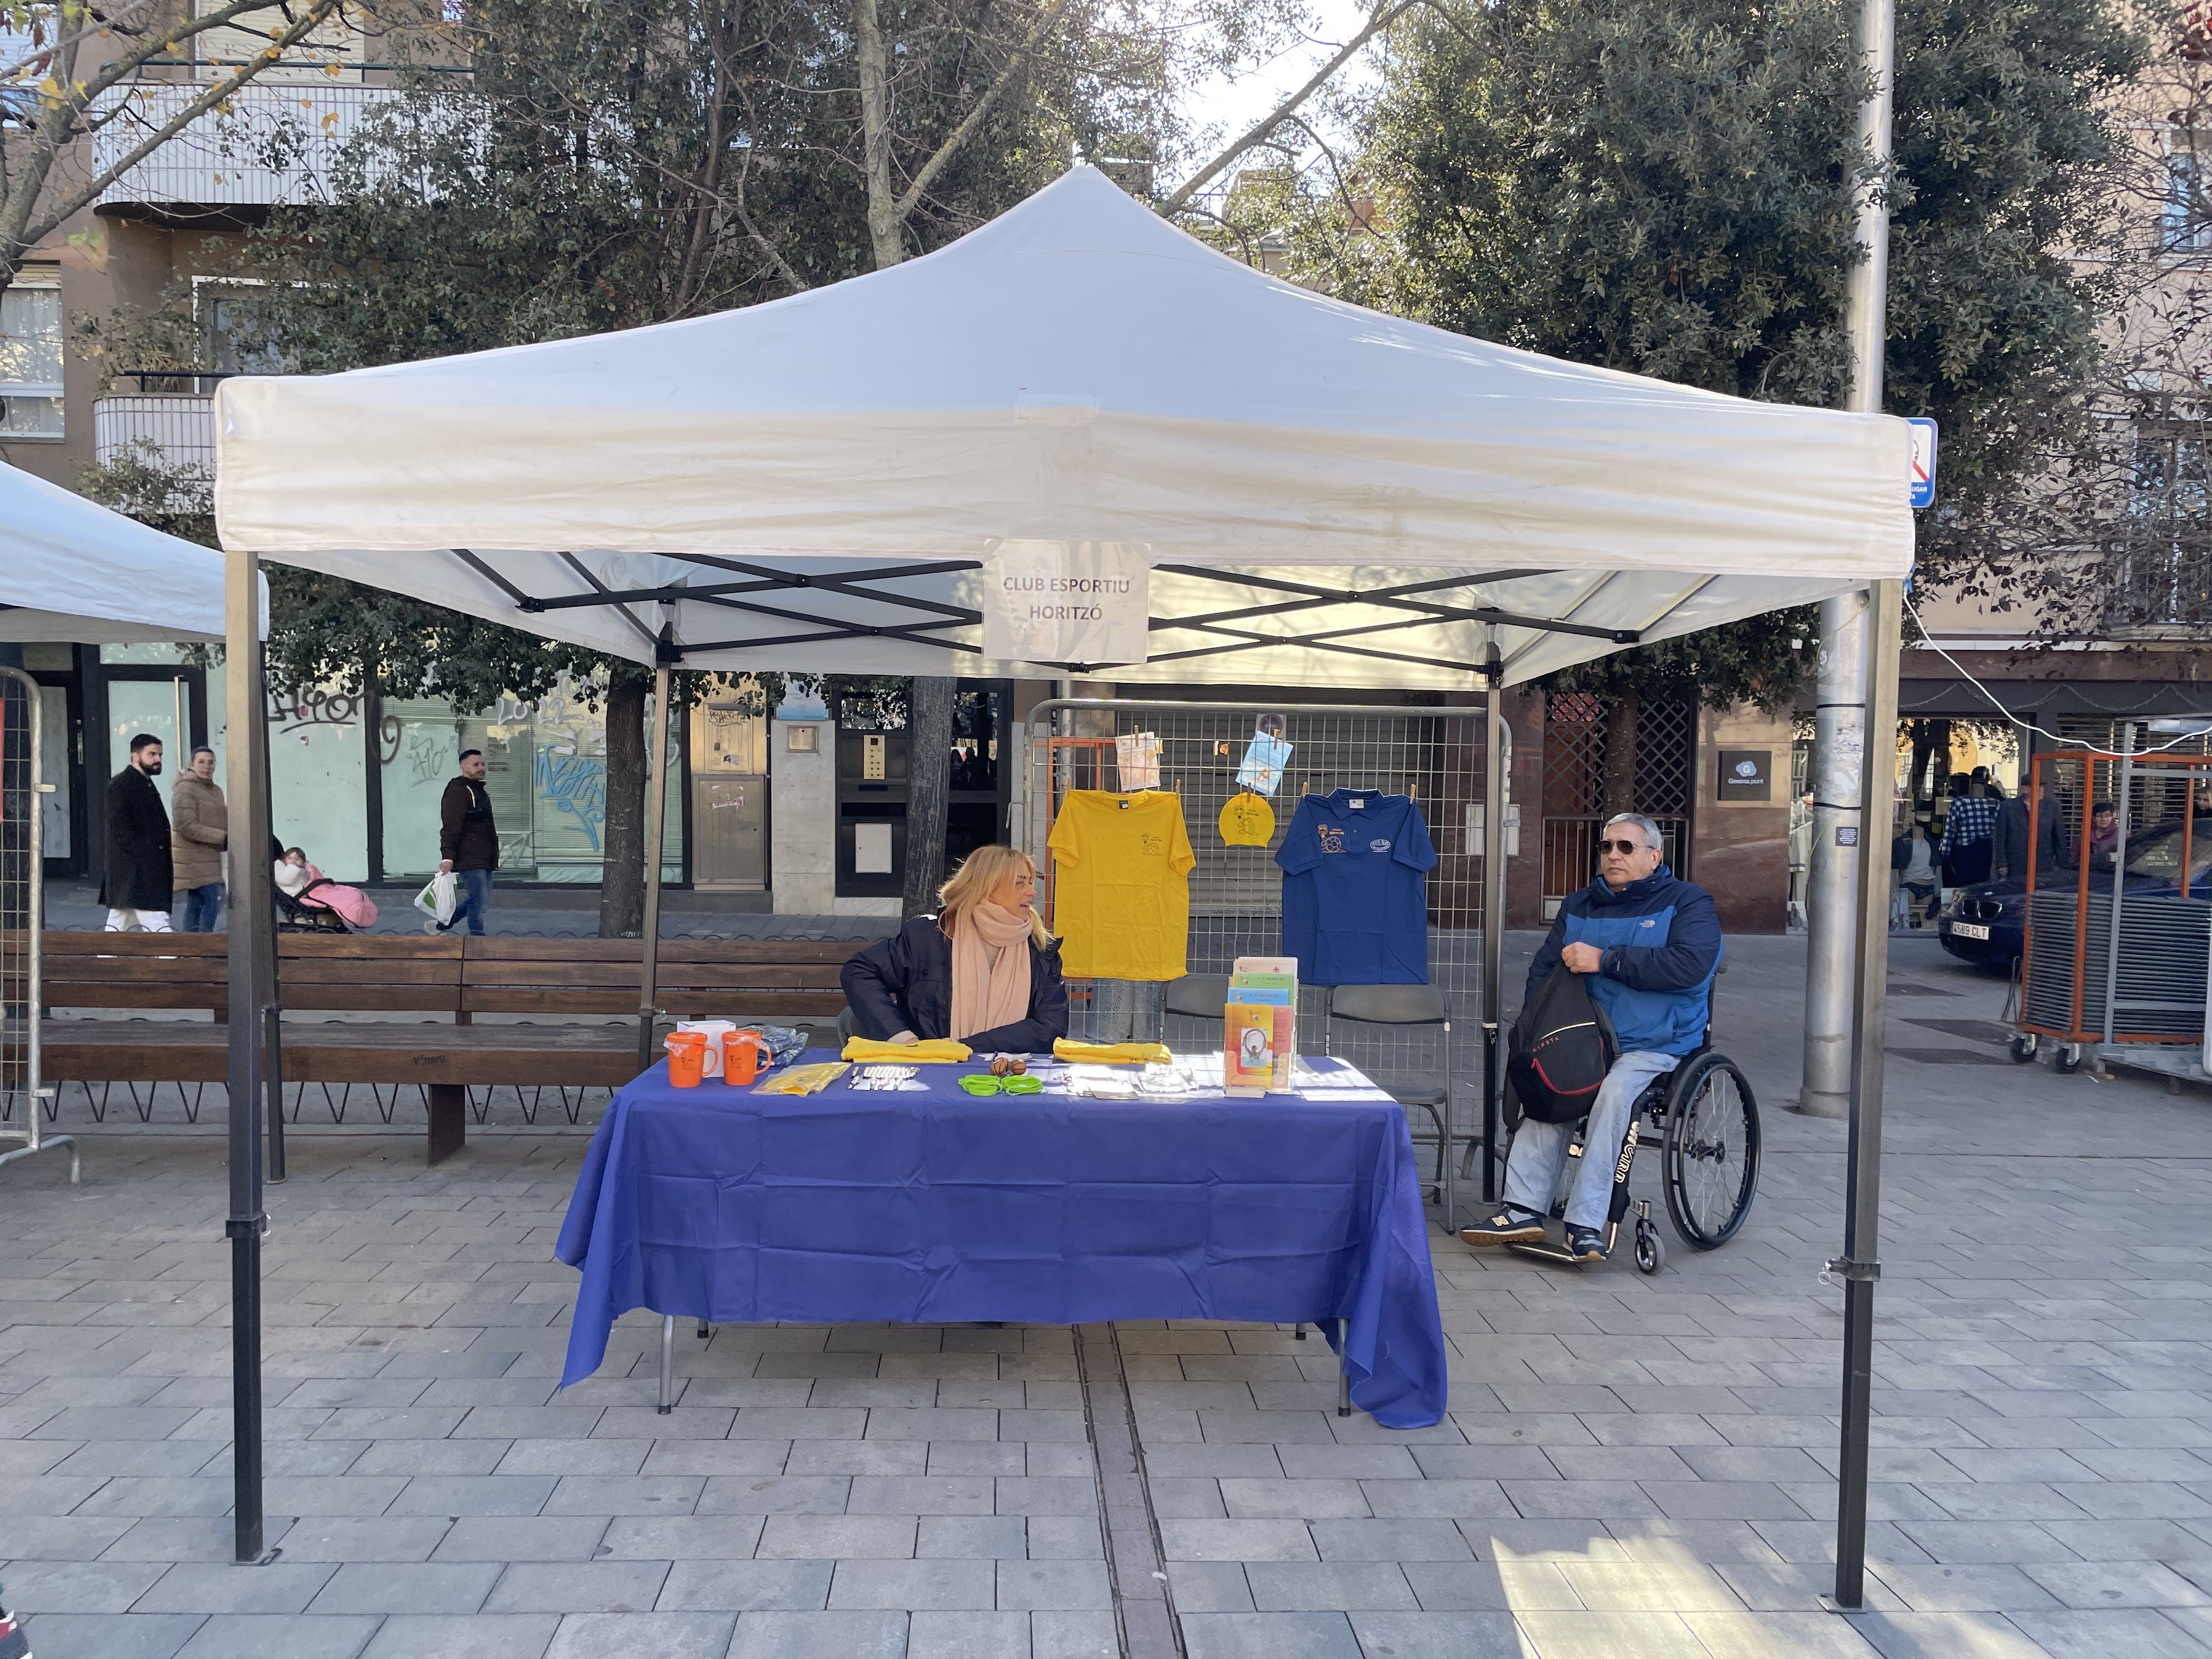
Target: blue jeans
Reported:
point(201, 906)
point(476, 899)
point(1127, 1009)
point(1533, 1167)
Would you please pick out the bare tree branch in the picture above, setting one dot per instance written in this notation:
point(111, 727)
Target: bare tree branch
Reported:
point(22, 226)
point(951, 147)
point(1383, 16)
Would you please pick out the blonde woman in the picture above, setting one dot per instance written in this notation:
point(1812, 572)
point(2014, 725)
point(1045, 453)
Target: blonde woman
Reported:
point(984, 970)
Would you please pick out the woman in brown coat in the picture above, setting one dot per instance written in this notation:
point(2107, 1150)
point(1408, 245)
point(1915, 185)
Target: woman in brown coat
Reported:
point(199, 828)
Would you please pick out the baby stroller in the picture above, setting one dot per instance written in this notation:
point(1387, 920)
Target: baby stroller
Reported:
point(294, 916)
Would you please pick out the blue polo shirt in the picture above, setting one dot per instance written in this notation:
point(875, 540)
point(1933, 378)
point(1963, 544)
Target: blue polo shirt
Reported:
point(1355, 890)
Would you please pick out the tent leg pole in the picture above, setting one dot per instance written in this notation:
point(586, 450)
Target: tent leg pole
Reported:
point(656, 815)
point(1493, 918)
point(1860, 1263)
point(273, 997)
point(252, 940)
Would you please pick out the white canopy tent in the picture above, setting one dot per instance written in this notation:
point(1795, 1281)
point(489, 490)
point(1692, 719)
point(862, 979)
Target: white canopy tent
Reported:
point(1326, 496)
point(72, 571)
point(1076, 370)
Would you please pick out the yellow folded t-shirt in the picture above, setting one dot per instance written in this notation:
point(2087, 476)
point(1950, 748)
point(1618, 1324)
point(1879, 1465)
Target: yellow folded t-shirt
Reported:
point(1111, 1054)
point(938, 1051)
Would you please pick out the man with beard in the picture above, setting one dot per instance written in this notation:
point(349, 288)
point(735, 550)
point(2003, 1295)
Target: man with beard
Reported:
point(138, 873)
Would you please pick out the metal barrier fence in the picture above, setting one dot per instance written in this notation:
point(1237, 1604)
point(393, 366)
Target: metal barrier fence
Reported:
point(23, 853)
point(1434, 755)
point(2118, 961)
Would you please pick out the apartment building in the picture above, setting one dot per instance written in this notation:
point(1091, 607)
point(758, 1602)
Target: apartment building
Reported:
point(2133, 637)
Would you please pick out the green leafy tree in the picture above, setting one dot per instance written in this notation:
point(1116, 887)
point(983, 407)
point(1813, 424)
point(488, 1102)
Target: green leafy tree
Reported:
point(1667, 187)
point(632, 162)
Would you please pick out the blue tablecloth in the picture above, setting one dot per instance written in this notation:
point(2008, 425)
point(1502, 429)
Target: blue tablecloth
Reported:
point(853, 1207)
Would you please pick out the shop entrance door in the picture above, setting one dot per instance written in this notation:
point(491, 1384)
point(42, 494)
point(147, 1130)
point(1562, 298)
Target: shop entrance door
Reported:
point(729, 799)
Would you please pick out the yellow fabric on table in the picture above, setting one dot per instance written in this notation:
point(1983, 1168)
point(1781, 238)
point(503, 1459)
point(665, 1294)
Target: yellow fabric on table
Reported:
point(1111, 1054)
point(938, 1051)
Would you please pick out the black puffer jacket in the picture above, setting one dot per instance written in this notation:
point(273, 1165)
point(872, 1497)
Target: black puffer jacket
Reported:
point(904, 983)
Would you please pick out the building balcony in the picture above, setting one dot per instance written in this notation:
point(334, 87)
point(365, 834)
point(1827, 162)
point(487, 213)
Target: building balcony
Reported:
point(273, 145)
point(2161, 594)
point(173, 431)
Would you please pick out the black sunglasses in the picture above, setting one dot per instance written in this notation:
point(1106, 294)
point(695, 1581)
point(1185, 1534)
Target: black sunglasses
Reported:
point(1625, 848)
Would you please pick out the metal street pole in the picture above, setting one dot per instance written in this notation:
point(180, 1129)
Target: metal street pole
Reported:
point(1867, 306)
point(252, 940)
point(1843, 731)
point(1832, 882)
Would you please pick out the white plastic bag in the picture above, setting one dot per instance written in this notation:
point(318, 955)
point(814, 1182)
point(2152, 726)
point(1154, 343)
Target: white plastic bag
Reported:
point(436, 900)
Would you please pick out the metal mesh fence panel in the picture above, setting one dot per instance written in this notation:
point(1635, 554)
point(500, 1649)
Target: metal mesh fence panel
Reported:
point(1433, 754)
point(18, 802)
point(21, 1088)
point(2157, 979)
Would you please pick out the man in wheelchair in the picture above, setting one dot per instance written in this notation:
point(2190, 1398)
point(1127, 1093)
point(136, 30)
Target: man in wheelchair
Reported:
point(1651, 943)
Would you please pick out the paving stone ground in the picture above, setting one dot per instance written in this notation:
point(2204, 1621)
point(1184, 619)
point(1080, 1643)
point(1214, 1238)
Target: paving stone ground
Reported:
point(1631, 1467)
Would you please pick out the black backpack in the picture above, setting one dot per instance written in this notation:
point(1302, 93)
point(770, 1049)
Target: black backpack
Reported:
point(1562, 1046)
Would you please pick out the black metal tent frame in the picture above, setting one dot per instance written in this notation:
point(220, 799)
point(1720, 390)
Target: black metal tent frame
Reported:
point(927, 621)
point(932, 617)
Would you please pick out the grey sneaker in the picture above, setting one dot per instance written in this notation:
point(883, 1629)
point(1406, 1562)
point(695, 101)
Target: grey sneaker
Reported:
point(1586, 1243)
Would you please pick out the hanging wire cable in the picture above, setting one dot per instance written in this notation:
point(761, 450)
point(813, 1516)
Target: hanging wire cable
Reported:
point(1928, 640)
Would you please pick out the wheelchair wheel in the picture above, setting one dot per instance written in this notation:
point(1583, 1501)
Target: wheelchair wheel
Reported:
point(1650, 1253)
point(1712, 1153)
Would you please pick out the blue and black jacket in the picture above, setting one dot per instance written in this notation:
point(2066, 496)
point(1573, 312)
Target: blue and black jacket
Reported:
point(1662, 944)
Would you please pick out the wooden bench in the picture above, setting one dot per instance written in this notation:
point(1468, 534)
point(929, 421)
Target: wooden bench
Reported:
point(458, 977)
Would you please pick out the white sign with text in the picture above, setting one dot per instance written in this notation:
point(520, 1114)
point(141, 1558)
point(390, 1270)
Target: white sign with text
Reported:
point(1066, 602)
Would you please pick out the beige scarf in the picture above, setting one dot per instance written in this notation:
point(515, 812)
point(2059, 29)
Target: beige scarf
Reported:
point(990, 968)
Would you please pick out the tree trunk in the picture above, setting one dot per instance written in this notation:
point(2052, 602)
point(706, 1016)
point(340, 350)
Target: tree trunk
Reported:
point(928, 781)
point(622, 887)
point(884, 240)
point(1620, 715)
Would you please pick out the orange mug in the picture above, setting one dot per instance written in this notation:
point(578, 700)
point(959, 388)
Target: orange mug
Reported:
point(687, 1058)
point(743, 1054)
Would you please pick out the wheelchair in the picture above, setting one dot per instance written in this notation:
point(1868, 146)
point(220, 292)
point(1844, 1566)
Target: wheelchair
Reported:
point(1706, 1119)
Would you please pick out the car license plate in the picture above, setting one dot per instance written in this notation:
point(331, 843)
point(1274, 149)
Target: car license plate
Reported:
point(1969, 930)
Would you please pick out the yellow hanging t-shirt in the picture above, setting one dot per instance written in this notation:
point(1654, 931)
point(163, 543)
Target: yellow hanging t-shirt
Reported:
point(1120, 896)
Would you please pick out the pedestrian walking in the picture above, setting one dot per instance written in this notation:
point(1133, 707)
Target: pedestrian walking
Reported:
point(1969, 831)
point(136, 873)
point(2019, 843)
point(1913, 857)
point(199, 827)
point(468, 843)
